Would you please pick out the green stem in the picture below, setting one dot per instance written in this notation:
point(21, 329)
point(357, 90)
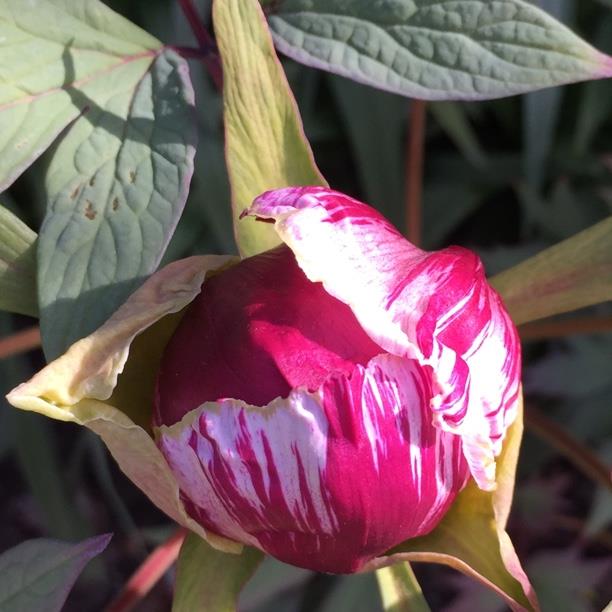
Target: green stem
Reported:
point(400, 590)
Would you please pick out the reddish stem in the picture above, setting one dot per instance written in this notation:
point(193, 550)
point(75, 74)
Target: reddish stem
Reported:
point(20, 342)
point(542, 330)
point(578, 453)
point(205, 41)
point(189, 52)
point(148, 574)
point(414, 170)
point(199, 31)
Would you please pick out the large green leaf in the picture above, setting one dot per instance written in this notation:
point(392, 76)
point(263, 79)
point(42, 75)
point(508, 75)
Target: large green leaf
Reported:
point(53, 55)
point(207, 579)
point(38, 574)
point(570, 275)
point(116, 188)
point(265, 143)
point(17, 265)
point(436, 49)
point(118, 180)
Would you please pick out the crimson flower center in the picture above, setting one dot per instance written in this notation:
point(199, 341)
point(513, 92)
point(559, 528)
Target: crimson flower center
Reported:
point(256, 331)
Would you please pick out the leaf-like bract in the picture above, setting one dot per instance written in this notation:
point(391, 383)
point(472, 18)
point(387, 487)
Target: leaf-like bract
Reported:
point(570, 275)
point(208, 579)
point(92, 385)
point(265, 143)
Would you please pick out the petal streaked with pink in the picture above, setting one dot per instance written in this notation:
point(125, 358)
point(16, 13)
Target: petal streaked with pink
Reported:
point(325, 480)
point(435, 307)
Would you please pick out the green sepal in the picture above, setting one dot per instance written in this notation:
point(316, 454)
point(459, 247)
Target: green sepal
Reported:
point(265, 143)
point(570, 275)
point(209, 580)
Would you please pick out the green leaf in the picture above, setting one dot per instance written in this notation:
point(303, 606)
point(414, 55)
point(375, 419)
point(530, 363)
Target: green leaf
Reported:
point(53, 54)
point(436, 49)
point(17, 265)
point(540, 115)
point(38, 574)
point(265, 143)
point(207, 579)
point(600, 514)
point(118, 180)
point(116, 187)
point(570, 275)
point(567, 209)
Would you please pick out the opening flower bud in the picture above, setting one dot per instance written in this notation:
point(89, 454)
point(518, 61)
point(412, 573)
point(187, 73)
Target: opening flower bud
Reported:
point(328, 399)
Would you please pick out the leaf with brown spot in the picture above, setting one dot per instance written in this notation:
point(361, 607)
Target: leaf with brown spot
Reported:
point(122, 104)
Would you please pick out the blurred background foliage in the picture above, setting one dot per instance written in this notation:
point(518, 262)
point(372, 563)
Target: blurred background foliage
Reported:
point(506, 178)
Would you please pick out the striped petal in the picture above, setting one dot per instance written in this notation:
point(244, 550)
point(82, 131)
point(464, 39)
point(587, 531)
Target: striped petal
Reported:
point(325, 480)
point(433, 307)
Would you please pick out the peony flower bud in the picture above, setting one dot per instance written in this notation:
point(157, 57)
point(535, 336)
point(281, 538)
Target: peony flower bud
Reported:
point(328, 399)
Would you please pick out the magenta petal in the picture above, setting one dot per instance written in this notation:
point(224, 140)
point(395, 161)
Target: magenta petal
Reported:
point(325, 480)
point(435, 307)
